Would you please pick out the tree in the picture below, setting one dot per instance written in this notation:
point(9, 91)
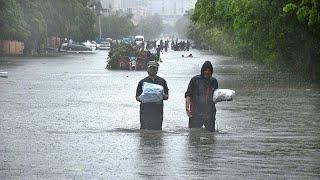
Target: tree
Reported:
point(32, 21)
point(12, 24)
point(307, 12)
point(181, 26)
point(116, 26)
point(261, 30)
point(36, 15)
point(150, 27)
point(72, 19)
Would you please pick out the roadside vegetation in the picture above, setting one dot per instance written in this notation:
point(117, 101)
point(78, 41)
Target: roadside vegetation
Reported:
point(31, 21)
point(151, 27)
point(34, 21)
point(284, 35)
point(116, 27)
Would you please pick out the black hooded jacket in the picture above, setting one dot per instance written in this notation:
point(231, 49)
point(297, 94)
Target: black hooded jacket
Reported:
point(205, 65)
point(200, 90)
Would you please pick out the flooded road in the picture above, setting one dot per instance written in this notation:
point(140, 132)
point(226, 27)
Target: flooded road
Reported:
point(69, 118)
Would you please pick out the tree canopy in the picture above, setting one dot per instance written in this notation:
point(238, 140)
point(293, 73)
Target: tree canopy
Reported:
point(282, 34)
point(116, 27)
point(32, 21)
point(151, 27)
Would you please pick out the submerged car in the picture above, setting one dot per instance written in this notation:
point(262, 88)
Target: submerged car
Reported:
point(90, 45)
point(139, 40)
point(126, 40)
point(96, 45)
point(75, 47)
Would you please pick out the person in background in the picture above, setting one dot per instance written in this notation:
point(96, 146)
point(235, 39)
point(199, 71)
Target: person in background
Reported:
point(190, 55)
point(188, 45)
point(158, 52)
point(151, 114)
point(199, 103)
point(148, 57)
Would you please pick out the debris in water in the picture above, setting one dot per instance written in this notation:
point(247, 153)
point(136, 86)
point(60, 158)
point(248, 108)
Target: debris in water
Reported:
point(203, 138)
point(4, 74)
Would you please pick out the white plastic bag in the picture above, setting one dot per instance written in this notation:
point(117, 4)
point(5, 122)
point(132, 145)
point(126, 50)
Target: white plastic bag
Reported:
point(151, 93)
point(223, 95)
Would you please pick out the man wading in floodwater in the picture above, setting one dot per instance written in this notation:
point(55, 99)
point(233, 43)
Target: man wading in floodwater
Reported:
point(151, 114)
point(199, 99)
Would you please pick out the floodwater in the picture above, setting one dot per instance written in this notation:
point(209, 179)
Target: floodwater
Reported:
point(68, 117)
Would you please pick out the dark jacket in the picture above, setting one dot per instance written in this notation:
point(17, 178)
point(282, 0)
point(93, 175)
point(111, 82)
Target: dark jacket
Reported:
point(200, 90)
point(151, 114)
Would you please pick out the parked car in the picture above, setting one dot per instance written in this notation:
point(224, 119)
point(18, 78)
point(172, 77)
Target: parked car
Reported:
point(105, 45)
point(95, 44)
point(90, 45)
point(75, 47)
point(126, 40)
point(138, 40)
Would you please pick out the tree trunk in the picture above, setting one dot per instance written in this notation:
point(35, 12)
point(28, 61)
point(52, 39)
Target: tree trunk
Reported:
point(313, 60)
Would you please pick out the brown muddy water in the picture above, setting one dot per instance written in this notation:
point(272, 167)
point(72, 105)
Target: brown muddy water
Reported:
point(68, 117)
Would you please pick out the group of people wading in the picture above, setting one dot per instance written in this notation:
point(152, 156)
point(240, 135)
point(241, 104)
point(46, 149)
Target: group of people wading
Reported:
point(175, 45)
point(199, 104)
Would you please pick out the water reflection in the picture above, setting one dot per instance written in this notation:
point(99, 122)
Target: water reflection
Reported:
point(151, 161)
point(272, 127)
point(200, 153)
point(198, 137)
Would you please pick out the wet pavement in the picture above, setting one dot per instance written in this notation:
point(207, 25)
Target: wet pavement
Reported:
point(68, 117)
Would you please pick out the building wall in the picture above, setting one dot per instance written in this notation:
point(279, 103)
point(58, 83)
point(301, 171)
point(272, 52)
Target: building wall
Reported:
point(114, 4)
point(170, 7)
point(169, 10)
point(9, 47)
point(161, 7)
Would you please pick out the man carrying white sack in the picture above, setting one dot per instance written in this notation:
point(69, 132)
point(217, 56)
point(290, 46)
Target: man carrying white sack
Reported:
point(151, 113)
point(200, 106)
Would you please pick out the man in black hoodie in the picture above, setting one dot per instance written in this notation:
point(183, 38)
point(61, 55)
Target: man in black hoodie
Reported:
point(199, 101)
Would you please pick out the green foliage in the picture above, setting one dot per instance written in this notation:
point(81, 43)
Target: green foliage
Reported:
point(32, 21)
point(204, 9)
point(281, 34)
point(116, 27)
point(154, 57)
point(123, 51)
point(12, 24)
point(307, 12)
point(35, 15)
point(72, 19)
point(198, 33)
point(181, 26)
point(150, 27)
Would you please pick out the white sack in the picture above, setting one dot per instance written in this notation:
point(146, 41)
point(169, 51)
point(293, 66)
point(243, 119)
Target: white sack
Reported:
point(223, 95)
point(151, 93)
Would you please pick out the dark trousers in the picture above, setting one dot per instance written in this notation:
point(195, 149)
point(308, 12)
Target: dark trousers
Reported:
point(151, 116)
point(197, 121)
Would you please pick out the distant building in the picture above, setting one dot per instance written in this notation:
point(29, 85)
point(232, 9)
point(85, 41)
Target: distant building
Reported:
point(111, 4)
point(169, 10)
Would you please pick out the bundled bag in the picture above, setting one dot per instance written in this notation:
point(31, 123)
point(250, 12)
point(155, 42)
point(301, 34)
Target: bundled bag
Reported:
point(223, 95)
point(151, 93)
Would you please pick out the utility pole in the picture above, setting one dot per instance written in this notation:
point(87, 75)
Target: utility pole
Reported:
point(98, 8)
point(99, 27)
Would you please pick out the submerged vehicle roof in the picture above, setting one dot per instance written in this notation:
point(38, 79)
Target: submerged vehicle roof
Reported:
point(139, 36)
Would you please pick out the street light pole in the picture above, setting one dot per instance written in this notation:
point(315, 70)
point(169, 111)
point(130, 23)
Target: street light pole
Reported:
point(99, 27)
